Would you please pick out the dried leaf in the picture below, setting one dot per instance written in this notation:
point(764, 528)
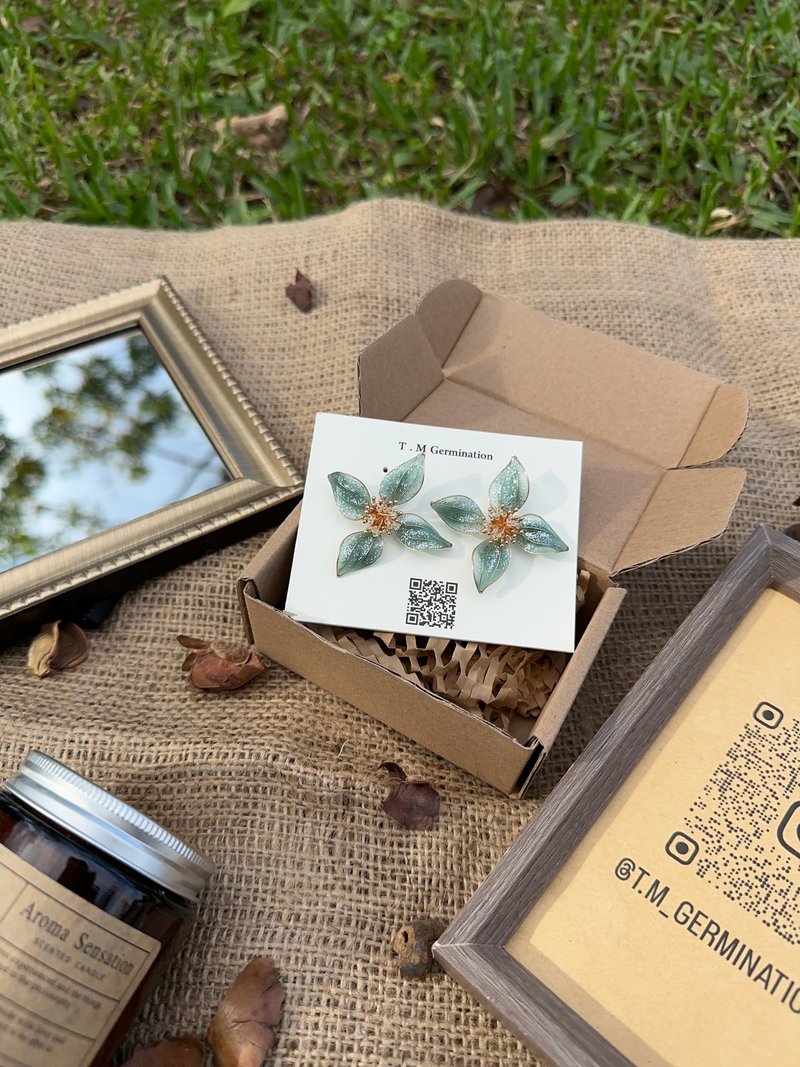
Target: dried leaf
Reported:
point(264, 131)
point(494, 199)
point(242, 1032)
point(413, 942)
point(793, 531)
point(184, 1051)
point(414, 805)
point(58, 646)
point(301, 292)
point(217, 666)
point(33, 24)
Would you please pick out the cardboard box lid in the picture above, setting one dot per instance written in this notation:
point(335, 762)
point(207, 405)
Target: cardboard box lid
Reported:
point(469, 359)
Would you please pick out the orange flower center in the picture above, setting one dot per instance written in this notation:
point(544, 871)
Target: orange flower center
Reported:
point(502, 526)
point(381, 516)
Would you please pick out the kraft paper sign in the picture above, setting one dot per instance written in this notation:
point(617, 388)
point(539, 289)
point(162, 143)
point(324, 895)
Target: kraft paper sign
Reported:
point(674, 928)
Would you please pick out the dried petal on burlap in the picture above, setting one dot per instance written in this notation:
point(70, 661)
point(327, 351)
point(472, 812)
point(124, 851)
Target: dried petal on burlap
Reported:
point(186, 1051)
point(301, 291)
point(59, 646)
point(218, 666)
point(242, 1032)
point(414, 805)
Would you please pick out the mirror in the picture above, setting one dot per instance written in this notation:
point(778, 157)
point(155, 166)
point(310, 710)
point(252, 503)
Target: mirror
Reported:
point(122, 437)
point(91, 438)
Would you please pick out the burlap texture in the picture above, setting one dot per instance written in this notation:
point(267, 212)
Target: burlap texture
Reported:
point(278, 783)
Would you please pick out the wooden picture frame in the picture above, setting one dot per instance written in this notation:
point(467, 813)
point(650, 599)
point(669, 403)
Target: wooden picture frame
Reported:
point(258, 474)
point(473, 948)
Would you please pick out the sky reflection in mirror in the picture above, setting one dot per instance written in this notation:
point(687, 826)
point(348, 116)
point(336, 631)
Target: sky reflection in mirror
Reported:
point(90, 438)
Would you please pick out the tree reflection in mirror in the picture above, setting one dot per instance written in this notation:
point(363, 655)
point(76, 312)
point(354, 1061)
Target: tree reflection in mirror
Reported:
point(92, 437)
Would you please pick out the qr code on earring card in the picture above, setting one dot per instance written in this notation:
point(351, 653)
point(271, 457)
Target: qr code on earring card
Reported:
point(432, 602)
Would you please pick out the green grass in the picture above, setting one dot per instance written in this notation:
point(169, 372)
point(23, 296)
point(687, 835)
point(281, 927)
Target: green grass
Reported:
point(682, 114)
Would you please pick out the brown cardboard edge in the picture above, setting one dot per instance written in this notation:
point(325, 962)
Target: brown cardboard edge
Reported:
point(712, 490)
point(721, 427)
point(444, 313)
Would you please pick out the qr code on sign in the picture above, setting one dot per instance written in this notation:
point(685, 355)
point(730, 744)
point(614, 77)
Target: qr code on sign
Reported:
point(431, 603)
point(746, 822)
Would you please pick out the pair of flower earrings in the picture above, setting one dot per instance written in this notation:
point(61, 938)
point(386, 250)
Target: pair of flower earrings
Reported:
point(380, 515)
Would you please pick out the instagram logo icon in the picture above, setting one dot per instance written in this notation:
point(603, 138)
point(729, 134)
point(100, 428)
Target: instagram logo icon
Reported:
point(789, 829)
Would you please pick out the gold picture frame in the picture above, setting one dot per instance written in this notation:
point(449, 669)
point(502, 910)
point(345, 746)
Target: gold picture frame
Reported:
point(258, 473)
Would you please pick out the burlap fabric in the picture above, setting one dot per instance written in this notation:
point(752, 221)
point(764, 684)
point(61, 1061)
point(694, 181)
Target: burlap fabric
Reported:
point(278, 783)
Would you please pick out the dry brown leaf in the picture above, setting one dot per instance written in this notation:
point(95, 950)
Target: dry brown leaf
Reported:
point(58, 646)
point(494, 199)
point(184, 1051)
point(242, 1032)
point(414, 805)
point(301, 291)
point(413, 943)
point(217, 666)
point(33, 24)
point(793, 531)
point(264, 131)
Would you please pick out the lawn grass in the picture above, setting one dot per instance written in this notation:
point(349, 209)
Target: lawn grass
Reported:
point(682, 114)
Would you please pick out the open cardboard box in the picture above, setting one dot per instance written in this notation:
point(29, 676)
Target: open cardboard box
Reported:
point(468, 359)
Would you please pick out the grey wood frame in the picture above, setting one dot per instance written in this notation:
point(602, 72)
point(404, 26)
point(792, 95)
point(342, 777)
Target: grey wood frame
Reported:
point(262, 474)
point(472, 948)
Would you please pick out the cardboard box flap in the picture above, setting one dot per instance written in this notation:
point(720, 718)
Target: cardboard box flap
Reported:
point(397, 372)
point(687, 507)
point(477, 360)
point(444, 313)
point(720, 428)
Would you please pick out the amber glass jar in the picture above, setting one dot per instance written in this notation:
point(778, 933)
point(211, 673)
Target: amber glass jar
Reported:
point(94, 901)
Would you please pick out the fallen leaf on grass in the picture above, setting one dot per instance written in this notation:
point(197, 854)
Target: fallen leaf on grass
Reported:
point(414, 805)
point(413, 942)
point(216, 666)
point(33, 24)
point(300, 291)
point(494, 199)
point(184, 1051)
point(242, 1032)
point(58, 646)
point(264, 131)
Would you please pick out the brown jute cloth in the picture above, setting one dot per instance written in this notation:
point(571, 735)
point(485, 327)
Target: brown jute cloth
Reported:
point(279, 782)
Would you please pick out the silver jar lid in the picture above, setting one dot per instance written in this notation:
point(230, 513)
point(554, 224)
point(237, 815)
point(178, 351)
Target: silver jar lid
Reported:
point(89, 812)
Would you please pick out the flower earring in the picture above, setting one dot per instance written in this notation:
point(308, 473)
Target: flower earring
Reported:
point(380, 515)
point(502, 527)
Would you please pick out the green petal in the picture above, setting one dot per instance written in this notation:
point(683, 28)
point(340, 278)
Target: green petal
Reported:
point(405, 481)
point(489, 562)
point(358, 550)
point(351, 496)
point(415, 532)
point(536, 535)
point(460, 513)
point(510, 488)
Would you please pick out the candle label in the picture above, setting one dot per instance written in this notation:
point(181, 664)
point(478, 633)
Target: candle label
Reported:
point(67, 970)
